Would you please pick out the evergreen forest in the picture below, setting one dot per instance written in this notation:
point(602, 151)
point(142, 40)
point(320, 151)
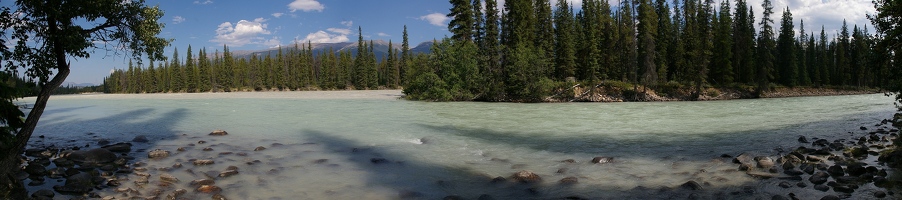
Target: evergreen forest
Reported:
point(529, 50)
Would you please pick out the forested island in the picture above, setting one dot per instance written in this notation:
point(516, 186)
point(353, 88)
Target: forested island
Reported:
point(532, 52)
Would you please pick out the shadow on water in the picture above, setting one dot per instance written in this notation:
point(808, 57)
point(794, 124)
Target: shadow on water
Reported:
point(416, 179)
point(81, 133)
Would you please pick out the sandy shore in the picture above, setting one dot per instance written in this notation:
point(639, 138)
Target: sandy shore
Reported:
point(342, 94)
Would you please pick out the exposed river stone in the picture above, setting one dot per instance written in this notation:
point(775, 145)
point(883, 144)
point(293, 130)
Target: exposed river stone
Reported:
point(764, 162)
point(228, 173)
point(202, 182)
point(203, 162)
point(691, 185)
point(168, 178)
point(602, 160)
point(526, 176)
point(260, 148)
point(218, 132)
point(208, 189)
point(157, 154)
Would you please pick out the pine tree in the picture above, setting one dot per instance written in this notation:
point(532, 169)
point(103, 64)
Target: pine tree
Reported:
point(664, 39)
point(226, 70)
point(765, 48)
point(648, 30)
point(190, 72)
point(844, 73)
point(743, 43)
point(802, 55)
point(565, 42)
point(590, 53)
point(462, 20)
point(175, 74)
point(204, 71)
point(391, 69)
point(491, 53)
point(360, 60)
point(149, 77)
point(544, 27)
point(722, 63)
point(626, 68)
point(787, 66)
point(405, 58)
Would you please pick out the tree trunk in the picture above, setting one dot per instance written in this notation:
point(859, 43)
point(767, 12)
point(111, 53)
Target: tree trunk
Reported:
point(9, 164)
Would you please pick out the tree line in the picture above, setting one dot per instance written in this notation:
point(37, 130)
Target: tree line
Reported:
point(526, 51)
point(291, 68)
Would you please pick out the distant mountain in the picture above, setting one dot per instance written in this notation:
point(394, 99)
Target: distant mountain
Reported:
point(70, 84)
point(380, 48)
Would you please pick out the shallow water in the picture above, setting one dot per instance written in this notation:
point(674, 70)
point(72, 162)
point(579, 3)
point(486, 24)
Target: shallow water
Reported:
point(439, 149)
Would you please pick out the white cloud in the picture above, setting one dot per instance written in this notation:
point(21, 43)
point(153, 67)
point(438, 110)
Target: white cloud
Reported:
point(437, 19)
point(342, 31)
point(178, 19)
point(277, 15)
point(204, 2)
point(325, 37)
point(347, 23)
point(305, 5)
point(274, 42)
point(242, 33)
point(829, 13)
point(381, 34)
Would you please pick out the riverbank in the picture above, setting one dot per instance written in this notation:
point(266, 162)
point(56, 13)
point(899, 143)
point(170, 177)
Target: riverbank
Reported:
point(621, 92)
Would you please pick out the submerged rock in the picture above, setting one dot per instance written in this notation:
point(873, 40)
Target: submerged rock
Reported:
point(78, 183)
point(569, 180)
point(140, 139)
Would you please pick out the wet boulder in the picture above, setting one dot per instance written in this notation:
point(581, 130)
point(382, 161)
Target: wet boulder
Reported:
point(802, 139)
point(819, 178)
point(526, 176)
point(856, 169)
point(93, 156)
point(78, 183)
point(218, 132)
point(35, 169)
point(43, 194)
point(691, 185)
point(836, 170)
point(119, 147)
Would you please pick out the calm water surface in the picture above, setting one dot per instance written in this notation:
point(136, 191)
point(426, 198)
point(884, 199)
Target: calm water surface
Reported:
point(439, 149)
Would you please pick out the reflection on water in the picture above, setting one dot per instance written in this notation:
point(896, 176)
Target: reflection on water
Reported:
point(389, 149)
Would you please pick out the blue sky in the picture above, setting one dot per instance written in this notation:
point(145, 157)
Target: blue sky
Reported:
point(254, 25)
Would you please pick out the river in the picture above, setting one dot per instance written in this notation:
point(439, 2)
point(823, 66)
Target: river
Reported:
point(372, 145)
